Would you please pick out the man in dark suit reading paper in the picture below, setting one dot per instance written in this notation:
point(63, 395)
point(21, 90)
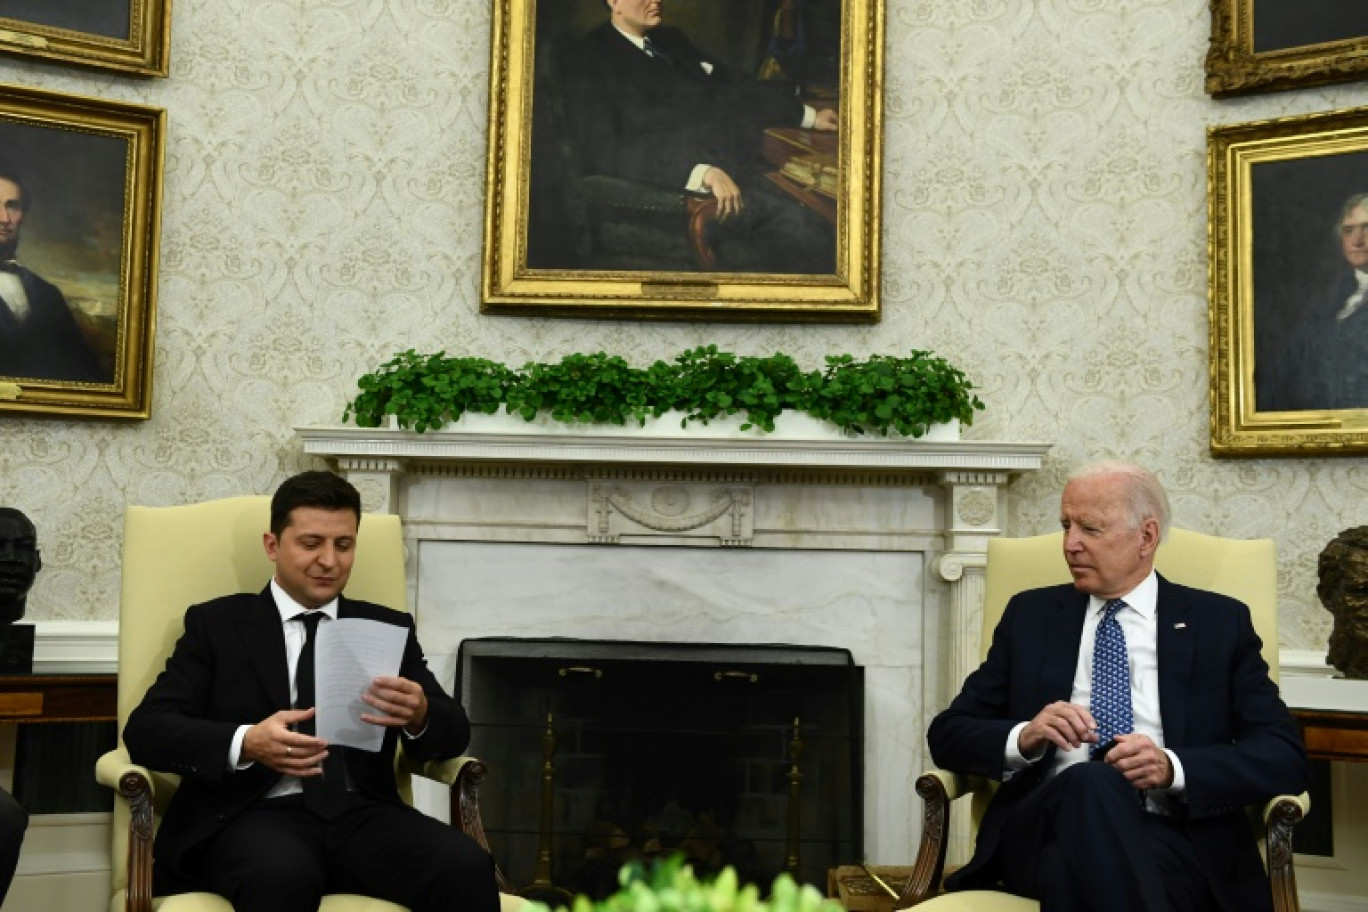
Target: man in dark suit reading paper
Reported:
point(267, 814)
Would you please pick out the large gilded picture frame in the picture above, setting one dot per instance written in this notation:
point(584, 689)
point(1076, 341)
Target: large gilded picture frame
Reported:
point(588, 209)
point(1288, 209)
point(131, 36)
point(1272, 45)
point(80, 211)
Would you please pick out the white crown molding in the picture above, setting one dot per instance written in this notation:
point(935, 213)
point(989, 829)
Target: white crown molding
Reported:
point(76, 647)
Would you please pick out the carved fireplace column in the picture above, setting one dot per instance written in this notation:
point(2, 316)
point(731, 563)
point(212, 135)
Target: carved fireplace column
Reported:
point(972, 517)
point(376, 479)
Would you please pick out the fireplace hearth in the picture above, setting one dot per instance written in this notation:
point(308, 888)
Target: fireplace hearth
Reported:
point(603, 752)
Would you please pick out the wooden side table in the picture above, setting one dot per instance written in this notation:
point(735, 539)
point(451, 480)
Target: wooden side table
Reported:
point(1333, 734)
point(58, 698)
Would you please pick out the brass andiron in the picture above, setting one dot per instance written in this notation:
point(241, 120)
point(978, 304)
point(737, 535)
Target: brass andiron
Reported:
point(541, 889)
point(795, 817)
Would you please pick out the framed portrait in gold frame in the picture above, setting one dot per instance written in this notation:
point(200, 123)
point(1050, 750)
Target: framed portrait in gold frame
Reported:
point(131, 36)
point(1288, 237)
point(1271, 45)
point(602, 192)
point(80, 210)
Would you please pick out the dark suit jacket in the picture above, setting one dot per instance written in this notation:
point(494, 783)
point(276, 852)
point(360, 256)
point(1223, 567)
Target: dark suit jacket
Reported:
point(641, 119)
point(229, 668)
point(48, 345)
point(1320, 362)
point(1221, 713)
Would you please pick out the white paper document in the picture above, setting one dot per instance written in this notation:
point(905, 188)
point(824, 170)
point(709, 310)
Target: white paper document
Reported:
point(348, 653)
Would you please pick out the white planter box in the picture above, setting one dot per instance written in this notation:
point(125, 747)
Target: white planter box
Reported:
point(788, 426)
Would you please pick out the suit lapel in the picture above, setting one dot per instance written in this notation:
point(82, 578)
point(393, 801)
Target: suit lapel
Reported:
point(1060, 638)
point(264, 642)
point(1175, 642)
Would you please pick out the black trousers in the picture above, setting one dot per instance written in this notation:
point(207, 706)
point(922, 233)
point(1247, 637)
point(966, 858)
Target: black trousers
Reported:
point(13, 823)
point(1082, 841)
point(278, 857)
point(773, 233)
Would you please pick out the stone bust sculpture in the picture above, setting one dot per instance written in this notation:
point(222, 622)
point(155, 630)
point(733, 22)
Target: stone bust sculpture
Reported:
point(1343, 590)
point(19, 563)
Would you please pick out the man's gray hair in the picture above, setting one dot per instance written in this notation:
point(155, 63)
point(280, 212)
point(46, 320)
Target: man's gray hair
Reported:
point(1352, 203)
point(1145, 497)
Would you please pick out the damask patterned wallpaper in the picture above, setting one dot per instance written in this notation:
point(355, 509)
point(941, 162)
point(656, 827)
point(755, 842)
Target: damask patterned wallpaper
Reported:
point(1044, 228)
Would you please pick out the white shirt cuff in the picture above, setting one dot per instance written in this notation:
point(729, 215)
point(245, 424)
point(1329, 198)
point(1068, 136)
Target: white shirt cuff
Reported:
point(1013, 760)
point(1179, 786)
point(235, 749)
point(695, 184)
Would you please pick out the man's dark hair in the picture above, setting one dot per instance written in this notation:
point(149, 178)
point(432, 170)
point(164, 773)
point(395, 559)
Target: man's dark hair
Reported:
point(320, 489)
point(9, 174)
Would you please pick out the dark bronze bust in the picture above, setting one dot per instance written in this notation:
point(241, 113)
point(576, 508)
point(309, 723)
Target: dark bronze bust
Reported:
point(1343, 590)
point(19, 563)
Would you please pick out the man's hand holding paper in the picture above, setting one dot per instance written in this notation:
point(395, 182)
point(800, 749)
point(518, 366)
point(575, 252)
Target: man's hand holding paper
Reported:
point(399, 702)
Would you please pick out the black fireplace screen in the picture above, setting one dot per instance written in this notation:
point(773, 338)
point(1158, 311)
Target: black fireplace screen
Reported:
point(603, 752)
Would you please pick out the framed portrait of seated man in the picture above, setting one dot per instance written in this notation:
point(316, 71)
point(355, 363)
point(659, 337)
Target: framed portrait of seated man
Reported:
point(708, 160)
point(80, 200)
point(1288, 202)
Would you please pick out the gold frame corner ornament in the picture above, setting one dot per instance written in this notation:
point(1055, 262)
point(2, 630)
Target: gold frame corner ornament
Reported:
point(141, 130)
point(1238, 426)
point(1234, 67)
point(145, 51)
point(850, 295)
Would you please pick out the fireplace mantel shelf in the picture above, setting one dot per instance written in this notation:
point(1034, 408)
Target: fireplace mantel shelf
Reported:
point(346, 442)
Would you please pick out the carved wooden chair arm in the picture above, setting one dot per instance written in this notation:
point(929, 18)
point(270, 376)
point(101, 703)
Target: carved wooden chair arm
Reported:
point(463, 776)
point(937, 789)
point(1279, 816)
point(612, 197)
point(135, 784)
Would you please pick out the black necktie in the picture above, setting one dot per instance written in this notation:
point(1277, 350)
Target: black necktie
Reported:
point(650, 47)
point(324, 795)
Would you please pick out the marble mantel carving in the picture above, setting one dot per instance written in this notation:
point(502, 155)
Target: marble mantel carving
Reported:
point(846, 523)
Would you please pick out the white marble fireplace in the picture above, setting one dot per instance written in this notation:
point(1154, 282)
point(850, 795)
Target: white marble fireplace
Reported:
point(876, 546)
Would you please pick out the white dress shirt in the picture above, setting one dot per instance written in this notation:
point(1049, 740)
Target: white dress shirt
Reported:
point(295, 634)
point(13, 296)
point(1355, 300)
point(1139, 623)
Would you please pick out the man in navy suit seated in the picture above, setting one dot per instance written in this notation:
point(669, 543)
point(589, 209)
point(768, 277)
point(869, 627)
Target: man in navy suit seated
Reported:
point(1129, 720)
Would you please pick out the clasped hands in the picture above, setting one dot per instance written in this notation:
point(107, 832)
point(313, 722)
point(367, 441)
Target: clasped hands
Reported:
point(1068, 725)
point(274, 742)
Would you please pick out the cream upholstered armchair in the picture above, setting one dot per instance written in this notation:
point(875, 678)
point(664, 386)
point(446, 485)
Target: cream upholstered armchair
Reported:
point(1243, 569)
point(174, 557)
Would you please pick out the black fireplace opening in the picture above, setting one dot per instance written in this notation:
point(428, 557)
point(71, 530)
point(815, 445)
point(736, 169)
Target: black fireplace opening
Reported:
point(604, 752)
